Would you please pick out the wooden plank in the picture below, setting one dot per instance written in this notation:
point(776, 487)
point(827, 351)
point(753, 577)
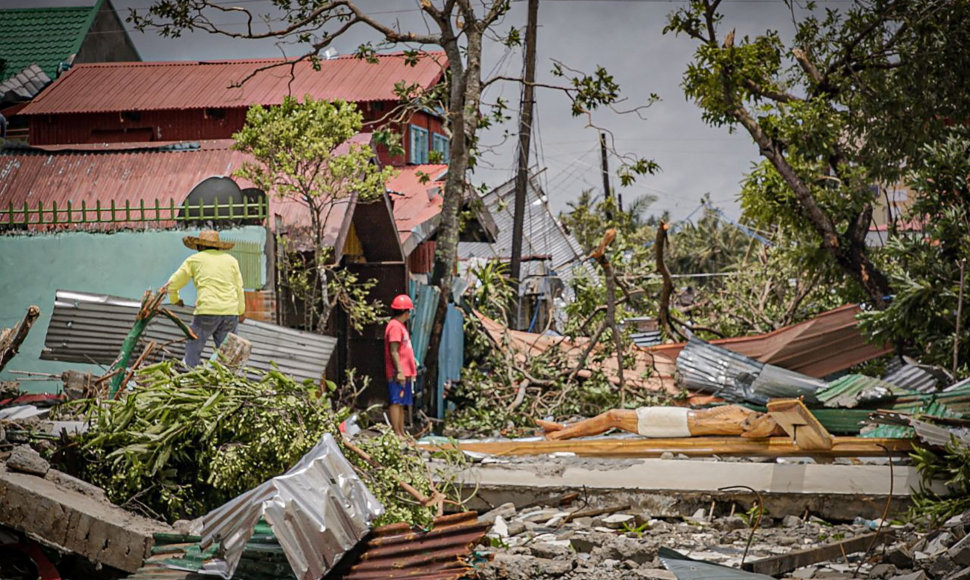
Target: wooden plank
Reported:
point(691, 446)
point(777, 565)
point(795, 418)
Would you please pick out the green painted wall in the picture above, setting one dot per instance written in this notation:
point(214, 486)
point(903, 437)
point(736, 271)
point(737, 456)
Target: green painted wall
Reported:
point(34, 267)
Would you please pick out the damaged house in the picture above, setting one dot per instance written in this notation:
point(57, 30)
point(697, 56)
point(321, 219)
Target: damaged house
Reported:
point(134, 163)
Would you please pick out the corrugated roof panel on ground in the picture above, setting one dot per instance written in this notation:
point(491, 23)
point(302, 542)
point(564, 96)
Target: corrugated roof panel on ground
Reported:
point(149, 86)
point(388, 552)
point(913, 378)
point(86, 328)
point(854, 390)
point(715, 370)
point(774, 382)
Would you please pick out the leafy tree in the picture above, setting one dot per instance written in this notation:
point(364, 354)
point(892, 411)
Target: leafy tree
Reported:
point(301, 154)
point(845, 107)
point(928, 317)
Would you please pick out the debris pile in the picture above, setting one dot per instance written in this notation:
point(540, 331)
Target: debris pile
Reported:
point(572, 542)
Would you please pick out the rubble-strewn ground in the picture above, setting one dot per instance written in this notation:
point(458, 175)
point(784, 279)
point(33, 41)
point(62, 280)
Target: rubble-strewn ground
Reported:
point(537, 543)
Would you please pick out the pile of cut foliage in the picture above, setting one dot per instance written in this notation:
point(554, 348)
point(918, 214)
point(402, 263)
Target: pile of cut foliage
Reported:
point(181, 444)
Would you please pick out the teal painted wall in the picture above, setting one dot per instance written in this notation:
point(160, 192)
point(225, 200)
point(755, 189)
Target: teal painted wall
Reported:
point(34, 267)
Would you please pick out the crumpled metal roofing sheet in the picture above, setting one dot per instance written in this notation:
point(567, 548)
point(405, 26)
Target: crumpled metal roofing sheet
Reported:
point(712, 369)
point(829, 343)
point(152, 86)
point(318, 510)
point(388, 552)
point(913, 378)
point(853, 390)
point(90, 328)
point(775, 382)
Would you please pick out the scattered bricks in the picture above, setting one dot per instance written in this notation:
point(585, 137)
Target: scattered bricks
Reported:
point(26, 460)
point(941, 566)
point(76, 523)
point(505, 510)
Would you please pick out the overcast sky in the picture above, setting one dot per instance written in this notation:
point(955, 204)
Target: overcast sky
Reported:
point(624, 36)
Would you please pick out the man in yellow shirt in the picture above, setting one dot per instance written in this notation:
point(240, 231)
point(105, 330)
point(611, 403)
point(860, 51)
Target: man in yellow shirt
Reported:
point(220, 302)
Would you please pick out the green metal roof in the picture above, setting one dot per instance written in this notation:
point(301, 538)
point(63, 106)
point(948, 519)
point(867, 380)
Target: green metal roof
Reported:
point(45, 36)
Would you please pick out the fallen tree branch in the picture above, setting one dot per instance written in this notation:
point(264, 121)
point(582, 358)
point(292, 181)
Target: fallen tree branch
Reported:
point(10, 340)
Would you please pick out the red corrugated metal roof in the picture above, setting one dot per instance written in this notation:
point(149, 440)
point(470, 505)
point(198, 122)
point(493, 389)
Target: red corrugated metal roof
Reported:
point(136, 174)
point(829, 343)
point(396, 551)
point(149, 86)
point(413, 205)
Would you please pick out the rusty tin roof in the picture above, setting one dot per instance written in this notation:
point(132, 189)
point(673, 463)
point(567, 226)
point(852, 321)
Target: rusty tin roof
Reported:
point(152, 86)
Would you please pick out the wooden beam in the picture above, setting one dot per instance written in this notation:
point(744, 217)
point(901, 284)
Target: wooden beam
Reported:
point(805, 430)
point(690, 446)
point(777, 565)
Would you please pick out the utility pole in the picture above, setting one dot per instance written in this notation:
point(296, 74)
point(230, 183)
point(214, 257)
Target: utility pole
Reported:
point(525, 143)
point(607, 192)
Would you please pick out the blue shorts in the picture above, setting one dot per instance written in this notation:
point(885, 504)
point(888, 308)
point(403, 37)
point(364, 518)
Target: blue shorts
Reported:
point(400, 394)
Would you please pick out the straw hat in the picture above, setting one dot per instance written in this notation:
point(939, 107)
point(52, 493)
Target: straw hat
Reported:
point(207, 239)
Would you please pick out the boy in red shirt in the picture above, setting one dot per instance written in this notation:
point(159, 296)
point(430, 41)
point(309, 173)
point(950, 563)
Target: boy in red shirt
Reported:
point(399, 363)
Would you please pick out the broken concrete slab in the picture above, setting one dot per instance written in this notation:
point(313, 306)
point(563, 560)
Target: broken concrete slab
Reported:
point(668, 488)
point(73, 522)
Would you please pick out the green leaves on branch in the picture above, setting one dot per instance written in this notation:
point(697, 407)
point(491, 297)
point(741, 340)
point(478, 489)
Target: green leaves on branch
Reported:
point(181, 444)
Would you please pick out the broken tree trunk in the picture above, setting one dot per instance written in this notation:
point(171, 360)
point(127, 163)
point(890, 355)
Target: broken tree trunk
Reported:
point(11, 339)
point(599, 254)
point(150, 307)
point(663, 311)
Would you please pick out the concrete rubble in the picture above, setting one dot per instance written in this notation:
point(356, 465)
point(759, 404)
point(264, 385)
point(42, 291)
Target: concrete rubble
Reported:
point(542, 542)
point(69, 515)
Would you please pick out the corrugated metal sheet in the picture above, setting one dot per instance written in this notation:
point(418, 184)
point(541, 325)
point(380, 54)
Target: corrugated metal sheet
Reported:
point(938, 435)
point(178, 85)
point(417, 204)
point(135, 176)
point(775, 382)
point(829, 343)
point(854, 390)
point(425, 303)
point(396, 551)
point(913, 378)
point(451, 354)
point(443, 548)
point(894, 426)
point(712, 369)
point(318, 511)
point(542, 233)
point(90, 328)
point(647, 339)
